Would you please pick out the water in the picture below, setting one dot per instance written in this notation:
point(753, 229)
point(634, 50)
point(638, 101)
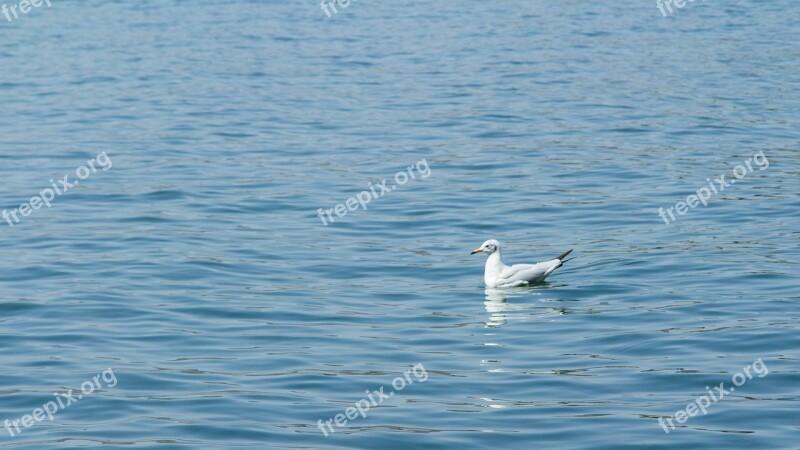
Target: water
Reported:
point(197, 269)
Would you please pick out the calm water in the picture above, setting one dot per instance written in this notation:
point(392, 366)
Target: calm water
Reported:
point(197, 269)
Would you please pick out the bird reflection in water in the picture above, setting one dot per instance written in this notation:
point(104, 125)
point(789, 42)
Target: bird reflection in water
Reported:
point(501, 311)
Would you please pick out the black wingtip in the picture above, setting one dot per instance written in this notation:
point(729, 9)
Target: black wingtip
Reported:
point(564, 255)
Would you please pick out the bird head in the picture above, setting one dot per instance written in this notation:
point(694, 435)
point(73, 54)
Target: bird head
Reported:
point(488, 247)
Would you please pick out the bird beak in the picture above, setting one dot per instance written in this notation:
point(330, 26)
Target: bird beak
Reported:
point(477, 250)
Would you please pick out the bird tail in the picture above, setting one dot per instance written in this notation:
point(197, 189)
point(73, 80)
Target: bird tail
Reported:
point(561, 258)
point(561, 262)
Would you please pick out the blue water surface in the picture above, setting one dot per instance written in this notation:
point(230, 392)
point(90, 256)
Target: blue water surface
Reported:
point(196, 269)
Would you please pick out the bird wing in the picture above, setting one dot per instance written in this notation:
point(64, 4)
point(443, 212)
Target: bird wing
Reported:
point(529, 273)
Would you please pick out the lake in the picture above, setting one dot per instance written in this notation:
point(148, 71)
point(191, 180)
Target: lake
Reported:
point(202, 279)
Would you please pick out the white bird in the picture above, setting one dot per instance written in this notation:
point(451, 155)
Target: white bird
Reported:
point(499, 275)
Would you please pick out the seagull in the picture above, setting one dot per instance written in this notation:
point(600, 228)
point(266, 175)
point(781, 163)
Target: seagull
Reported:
point(499, 275)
